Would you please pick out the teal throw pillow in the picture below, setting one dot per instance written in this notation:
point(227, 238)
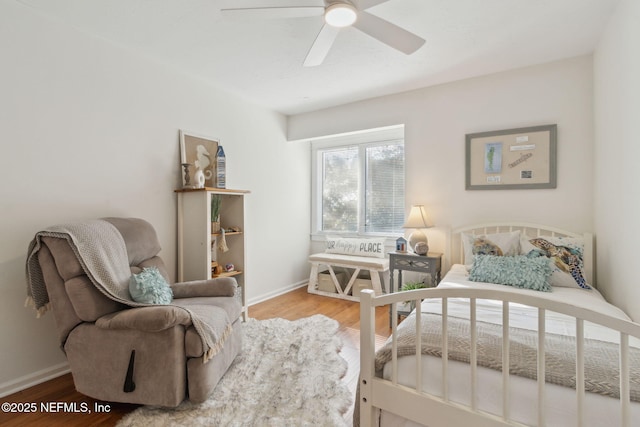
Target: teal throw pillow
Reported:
point(519, 271)
point(150, 287)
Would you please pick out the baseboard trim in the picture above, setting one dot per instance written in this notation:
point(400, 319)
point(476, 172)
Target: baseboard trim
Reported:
point(277, 292)
point(35, 378)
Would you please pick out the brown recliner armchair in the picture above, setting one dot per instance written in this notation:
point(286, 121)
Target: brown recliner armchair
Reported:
point(149, 355)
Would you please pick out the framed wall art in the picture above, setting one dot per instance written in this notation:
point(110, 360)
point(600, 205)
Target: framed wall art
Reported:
point(523, 158)
point(200, 152)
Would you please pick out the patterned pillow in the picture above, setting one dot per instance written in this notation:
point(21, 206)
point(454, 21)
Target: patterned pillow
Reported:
point(150, 287)
point(566, 256)
point(519, 271)
point(498, 244)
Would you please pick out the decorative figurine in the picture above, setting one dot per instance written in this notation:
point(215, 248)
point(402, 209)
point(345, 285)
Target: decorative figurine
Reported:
point(421, 248)
point(187, 178)
point(199, 178)
point(221, 168)
point(401, 245)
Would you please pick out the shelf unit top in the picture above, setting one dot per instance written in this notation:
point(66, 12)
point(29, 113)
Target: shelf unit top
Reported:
point(213, 190)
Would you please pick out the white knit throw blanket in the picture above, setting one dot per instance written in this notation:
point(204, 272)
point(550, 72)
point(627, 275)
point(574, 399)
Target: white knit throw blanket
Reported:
point(102, 252)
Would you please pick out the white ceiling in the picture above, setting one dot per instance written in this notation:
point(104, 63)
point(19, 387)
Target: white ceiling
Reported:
point(262, 60)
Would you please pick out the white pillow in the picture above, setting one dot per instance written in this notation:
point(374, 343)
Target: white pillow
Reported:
point(500, 244)
point(367, 247)
point(566, 255)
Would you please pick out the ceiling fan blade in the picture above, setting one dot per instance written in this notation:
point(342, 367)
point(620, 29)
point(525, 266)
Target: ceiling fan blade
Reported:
point(366, 4)
point(272, 9)
point(388, 33)
point(321, 46)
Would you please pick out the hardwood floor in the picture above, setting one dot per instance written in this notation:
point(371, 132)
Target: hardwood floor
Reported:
point(293, 305)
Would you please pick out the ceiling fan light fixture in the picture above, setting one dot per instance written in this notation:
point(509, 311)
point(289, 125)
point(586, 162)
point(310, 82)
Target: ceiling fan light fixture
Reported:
point(340, 15)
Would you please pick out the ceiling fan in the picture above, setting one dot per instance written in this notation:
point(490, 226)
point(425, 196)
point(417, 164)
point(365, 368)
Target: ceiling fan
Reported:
point(338, 14)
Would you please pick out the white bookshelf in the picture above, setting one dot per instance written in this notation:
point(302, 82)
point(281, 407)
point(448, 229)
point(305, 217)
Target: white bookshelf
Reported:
point(198, 246)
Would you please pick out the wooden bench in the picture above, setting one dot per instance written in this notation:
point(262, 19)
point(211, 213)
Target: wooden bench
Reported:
point(375, 266)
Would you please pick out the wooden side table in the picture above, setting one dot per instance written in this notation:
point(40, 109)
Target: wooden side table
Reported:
point(430, 264)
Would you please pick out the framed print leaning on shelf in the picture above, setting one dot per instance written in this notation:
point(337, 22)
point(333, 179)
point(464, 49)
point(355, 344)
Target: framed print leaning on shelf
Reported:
point(523, 158)
point(200, 152)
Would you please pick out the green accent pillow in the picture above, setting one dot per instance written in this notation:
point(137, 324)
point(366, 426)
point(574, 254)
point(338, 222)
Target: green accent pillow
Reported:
point(519, 271)
point(150, 287)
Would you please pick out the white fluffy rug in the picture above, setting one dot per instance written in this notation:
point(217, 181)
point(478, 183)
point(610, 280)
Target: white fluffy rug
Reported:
point(288, 374)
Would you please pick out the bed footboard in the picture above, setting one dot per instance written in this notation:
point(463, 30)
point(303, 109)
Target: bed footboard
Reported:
point(415, 404)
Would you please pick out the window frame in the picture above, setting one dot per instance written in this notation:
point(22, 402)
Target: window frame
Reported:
point(361, 140)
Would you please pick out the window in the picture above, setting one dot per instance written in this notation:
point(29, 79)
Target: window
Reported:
point(359, 184)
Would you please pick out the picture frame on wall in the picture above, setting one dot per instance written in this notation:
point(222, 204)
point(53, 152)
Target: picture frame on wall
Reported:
point(521, 158)
point(199, 151)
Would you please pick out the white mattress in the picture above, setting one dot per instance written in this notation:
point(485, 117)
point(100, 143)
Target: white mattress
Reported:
point(560, 405)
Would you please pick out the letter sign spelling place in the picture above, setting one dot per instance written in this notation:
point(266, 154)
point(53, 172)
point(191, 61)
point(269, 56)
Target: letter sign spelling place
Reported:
point(356, 246)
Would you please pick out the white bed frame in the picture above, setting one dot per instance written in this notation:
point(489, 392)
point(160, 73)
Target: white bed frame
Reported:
point(435, 411)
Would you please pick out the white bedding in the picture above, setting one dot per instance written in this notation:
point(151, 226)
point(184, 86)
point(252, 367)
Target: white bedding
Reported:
point(560, 401)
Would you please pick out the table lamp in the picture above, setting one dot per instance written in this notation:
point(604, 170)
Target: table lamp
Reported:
point(418, 220)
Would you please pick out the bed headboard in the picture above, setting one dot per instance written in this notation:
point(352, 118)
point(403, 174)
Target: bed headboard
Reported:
point(456, 249)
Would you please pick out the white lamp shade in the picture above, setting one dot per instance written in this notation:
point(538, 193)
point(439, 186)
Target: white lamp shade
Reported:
point(417, 218)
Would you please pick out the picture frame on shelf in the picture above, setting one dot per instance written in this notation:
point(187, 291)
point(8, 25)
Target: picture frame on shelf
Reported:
point(521, 158)
point(200, 152)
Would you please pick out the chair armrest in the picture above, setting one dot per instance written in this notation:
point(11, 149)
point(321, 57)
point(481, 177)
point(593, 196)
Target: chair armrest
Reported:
point(148, 319)
point(219, 287)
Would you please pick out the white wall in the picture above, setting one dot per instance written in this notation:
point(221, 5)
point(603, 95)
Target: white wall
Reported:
point(437, 118)
point(617, 195)
point(91, 130)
